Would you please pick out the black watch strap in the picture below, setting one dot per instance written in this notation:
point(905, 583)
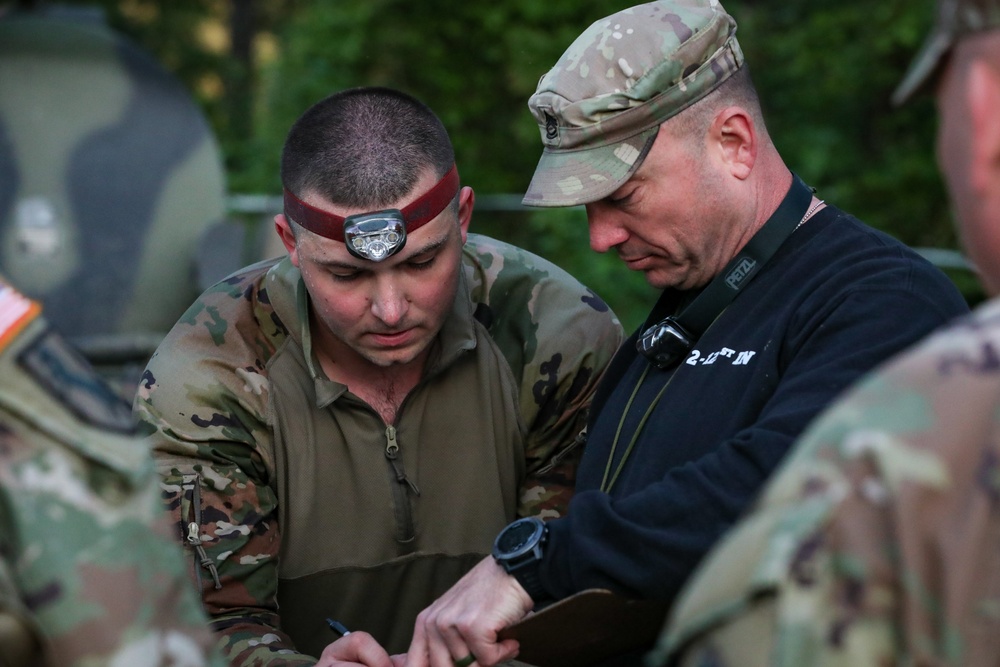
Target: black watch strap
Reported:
point(527, 575)
point(518, 550)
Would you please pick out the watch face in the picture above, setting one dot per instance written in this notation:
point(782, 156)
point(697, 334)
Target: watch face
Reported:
point(517, 535)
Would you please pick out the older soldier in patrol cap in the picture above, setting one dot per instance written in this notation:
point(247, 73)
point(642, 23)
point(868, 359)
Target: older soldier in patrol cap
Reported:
point(88, 572)
point(344, 429)
point(772, 303)
point(877, 543)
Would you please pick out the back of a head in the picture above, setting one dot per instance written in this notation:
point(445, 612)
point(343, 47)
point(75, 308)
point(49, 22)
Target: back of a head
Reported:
point(364, 148)
point(955, 19)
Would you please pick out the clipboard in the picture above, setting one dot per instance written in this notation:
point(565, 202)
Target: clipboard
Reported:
point(587, 628)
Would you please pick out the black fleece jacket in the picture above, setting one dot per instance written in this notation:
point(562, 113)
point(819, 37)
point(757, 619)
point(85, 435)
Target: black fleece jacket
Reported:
point(837, 299)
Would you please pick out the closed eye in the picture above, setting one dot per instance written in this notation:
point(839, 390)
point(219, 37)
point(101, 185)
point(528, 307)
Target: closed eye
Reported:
point(623, 200)
point(423, 260)
point(422, 263)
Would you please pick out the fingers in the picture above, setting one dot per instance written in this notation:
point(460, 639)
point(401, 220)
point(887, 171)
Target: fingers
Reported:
point(462, 641)
point(443, 644)
point(465, 621)
point(357, 648)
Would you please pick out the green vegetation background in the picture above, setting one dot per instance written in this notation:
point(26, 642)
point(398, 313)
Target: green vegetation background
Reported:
point(825, 72)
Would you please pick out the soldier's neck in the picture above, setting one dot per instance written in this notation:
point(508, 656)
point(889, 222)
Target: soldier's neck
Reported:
point(384, 388)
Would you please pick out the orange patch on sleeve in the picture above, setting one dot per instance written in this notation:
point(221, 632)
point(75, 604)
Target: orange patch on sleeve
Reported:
point(16, 311)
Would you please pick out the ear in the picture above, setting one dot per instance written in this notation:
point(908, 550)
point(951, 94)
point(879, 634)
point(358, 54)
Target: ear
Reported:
point(734, 135)
point(466, 201)
point(287, 236)
point(983, 99)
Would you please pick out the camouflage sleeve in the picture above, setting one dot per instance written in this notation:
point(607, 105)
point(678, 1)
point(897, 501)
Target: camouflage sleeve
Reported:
point(558, 337)
point(100, 580)
point(204, 394)
point(876, 542)
point(19, 637)
point(88, 573)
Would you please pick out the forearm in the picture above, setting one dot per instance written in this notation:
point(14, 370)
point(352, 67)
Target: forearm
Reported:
point(226, 520)
point(547, 490)
point(575, 338)
point(646, 545)
point(556, 439)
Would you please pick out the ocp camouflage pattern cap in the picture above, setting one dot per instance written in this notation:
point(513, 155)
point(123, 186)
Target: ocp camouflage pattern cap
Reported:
point(955, 19)
point(599, 107)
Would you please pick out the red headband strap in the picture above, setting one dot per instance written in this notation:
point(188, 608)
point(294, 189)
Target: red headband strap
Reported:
point(416, 214)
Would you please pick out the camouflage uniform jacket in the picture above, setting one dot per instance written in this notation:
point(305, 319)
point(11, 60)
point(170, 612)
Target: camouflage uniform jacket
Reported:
point(89, 575)
point(252, 437)
point(878, 542)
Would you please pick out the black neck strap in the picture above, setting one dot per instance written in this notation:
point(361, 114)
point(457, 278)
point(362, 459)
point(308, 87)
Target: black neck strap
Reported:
point(697, 317)
point(665, 341)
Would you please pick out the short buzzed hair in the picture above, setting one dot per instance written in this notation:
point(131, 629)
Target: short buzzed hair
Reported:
point(364, 148)
point(737, 90)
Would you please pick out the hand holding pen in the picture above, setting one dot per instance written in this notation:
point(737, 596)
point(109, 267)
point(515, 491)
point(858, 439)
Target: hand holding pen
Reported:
point(356, 648)
point(338, 627)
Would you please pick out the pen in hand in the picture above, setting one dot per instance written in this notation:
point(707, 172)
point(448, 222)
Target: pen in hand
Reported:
point(338, 627)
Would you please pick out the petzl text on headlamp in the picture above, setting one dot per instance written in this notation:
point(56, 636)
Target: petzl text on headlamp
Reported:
point(379, 234)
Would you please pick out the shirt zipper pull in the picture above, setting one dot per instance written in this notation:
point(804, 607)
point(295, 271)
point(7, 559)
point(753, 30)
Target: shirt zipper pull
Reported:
point(392, 453)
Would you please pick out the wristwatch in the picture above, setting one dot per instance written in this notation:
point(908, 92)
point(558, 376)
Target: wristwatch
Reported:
point(518, 550)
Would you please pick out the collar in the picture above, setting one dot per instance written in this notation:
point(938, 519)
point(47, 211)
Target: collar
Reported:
point(290, 299)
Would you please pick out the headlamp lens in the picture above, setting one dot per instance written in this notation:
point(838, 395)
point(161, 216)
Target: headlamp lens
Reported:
point(375, 236)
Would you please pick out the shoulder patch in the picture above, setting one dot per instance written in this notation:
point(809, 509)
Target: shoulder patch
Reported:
point(69, 378)
point(16, 311)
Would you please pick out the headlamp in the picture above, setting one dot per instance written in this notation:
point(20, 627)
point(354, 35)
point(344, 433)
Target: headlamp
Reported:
point(665, 343)
point(375, 236)
point(380, 234)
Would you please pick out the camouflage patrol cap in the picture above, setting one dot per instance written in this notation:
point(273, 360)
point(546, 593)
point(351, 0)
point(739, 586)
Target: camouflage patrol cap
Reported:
point(955, 19)
point(599, 107)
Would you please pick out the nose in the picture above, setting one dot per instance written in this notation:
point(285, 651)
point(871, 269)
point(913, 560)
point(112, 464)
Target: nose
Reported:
point(605, 232)
point(389, 300)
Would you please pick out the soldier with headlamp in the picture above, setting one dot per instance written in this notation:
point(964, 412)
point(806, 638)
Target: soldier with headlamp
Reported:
point(343, 430)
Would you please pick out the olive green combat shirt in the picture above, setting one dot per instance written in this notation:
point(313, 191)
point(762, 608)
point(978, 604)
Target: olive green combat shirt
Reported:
point(89, 574)
point(878, 540)
point(298, 503)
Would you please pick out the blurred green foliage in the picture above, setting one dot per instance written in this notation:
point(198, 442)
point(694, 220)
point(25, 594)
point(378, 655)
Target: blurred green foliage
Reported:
point(825, 73)
point(826, 76)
